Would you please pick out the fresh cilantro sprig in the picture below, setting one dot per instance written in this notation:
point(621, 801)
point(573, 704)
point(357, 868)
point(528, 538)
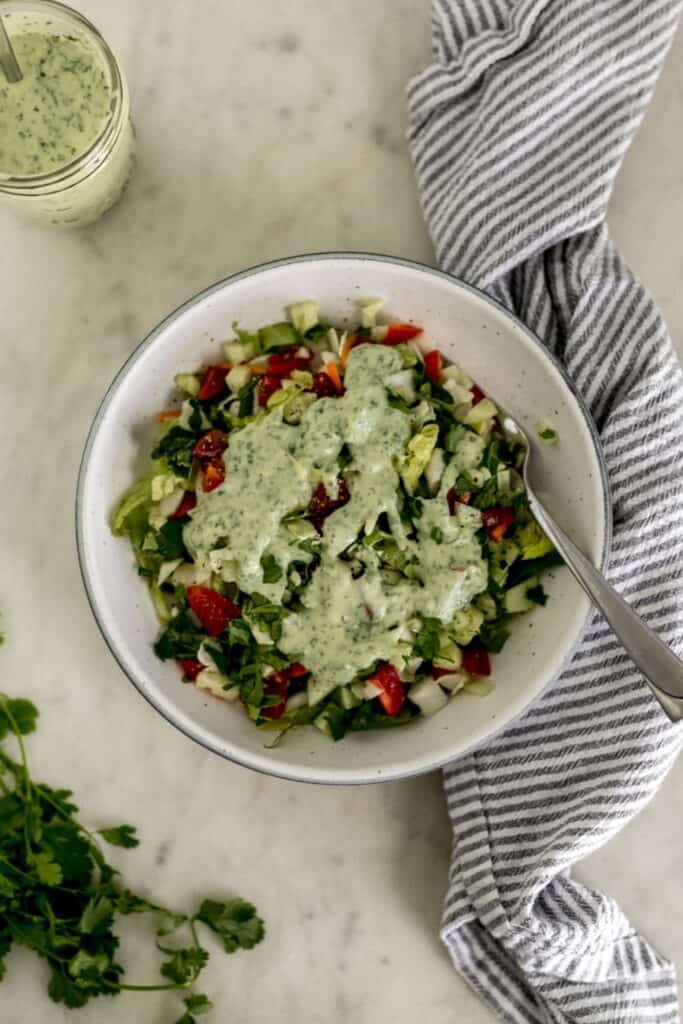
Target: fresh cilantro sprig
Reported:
point(61, 899)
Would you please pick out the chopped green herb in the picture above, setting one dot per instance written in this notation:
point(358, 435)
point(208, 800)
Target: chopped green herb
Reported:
point(61, 899)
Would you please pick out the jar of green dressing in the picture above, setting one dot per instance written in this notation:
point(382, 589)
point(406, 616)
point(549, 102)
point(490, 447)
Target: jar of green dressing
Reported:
point(66, 141)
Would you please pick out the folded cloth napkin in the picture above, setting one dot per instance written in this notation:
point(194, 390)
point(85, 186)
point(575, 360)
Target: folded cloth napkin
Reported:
point(517, 130)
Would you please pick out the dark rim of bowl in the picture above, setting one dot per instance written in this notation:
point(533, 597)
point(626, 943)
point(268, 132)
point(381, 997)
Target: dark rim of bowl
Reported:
point(250, 272)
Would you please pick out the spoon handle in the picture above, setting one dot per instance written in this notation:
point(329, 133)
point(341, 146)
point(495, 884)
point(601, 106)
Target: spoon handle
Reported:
point(660, 666)
point(8, 60)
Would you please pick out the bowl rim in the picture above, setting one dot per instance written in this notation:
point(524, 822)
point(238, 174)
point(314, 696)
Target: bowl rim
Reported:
point(149, 340)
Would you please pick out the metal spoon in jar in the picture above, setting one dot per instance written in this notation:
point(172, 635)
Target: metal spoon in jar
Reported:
point(8, 60)
point(659, 665)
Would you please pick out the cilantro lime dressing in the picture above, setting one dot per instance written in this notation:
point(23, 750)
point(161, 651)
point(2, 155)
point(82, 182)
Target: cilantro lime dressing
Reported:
point(345, 623)
point(59, 107)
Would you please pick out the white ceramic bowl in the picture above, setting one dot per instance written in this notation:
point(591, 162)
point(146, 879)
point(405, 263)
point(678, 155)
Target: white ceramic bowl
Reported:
point(497, 351)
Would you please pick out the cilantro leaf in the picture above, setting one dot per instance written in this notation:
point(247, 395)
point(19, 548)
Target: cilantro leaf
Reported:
point(60, 898)
point(181, 639)
point(177, 447)
point(235, 921)
point(123, 835)
point(62, 989)
point(48, 870)
point(493, 636)
point(426, 644)
point(97, 917)
point(197, 1003)
point(70, 849)
point(22, 713)
point(272, 571)
point(184, 964)
point(170, 543)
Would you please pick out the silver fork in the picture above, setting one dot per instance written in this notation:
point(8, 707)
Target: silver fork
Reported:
point(663, 671)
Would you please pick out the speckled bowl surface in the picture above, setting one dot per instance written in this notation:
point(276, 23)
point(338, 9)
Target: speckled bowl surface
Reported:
point(500, 353)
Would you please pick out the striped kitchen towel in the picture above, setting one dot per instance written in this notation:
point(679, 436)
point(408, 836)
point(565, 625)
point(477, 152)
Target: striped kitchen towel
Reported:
point(517, 130)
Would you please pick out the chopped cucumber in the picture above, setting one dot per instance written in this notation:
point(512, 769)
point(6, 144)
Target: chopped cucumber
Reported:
point(239, 351)
point(237, 378)
point(428, 696)
point(516, 601)
point(304, 315)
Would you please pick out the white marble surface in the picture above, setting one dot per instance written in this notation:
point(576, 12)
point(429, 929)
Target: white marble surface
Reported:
point(264, 129)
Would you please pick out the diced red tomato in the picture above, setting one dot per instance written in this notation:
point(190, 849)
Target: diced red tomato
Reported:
point(281, 364)
point(275, 686)
point(498, 521)
point(433, 366)
point(214, 475)
point(186, 505)
point(397, 333)
point(190, 667)
point(393, 695)
point(454, 499)
point(211, 445)
point(267, 386)
point(477, 394)
point(323, 385)
point(438, 673)
point(296, 670)
point(214, 611)
point(213, 383)
point(322, 505)
point(475, 660)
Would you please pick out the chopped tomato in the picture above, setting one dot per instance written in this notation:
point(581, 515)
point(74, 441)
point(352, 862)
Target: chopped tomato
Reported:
point(211, 445)
point(275, 686)
point(393, 695)
point(295, 670)
point(213, 383)
point(498, 520)
point(267, 386)
point(190, 667)
point(477, 394)
point(283, 364)
point(186, 505)
point(214, 475)
point(323, 385)
point(438, 673)
point(322, 505)
point(397, 333)
point(475, 660)
point(433, 366)
point(214, 611)
point(454, 499)
point(169, 414)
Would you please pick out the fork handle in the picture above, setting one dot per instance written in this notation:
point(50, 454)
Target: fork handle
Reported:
point(660, 666)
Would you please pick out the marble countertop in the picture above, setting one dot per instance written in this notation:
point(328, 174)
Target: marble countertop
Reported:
point(263, 130)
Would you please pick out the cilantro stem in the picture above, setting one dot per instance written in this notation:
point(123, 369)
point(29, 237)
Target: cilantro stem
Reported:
point(4, 705)
point(151, 988)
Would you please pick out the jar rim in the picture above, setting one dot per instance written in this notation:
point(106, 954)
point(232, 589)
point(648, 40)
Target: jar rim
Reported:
point(111, 127)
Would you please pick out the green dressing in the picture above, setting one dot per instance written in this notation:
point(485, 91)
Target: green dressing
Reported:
point(346, 623)
point(58, 109)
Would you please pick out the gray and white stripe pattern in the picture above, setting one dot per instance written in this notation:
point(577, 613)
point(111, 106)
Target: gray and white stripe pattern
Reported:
point(518, 128)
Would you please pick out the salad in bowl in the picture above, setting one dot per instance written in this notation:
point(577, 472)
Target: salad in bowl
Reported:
point(332, 526)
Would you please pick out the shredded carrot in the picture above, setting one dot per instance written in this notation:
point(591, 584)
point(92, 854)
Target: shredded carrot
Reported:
point(256, 370)
point(345, 349)
point(333, 374)
point(169, 414)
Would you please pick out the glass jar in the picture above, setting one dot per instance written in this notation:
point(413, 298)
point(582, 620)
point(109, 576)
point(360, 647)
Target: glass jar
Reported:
point(88, 183)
